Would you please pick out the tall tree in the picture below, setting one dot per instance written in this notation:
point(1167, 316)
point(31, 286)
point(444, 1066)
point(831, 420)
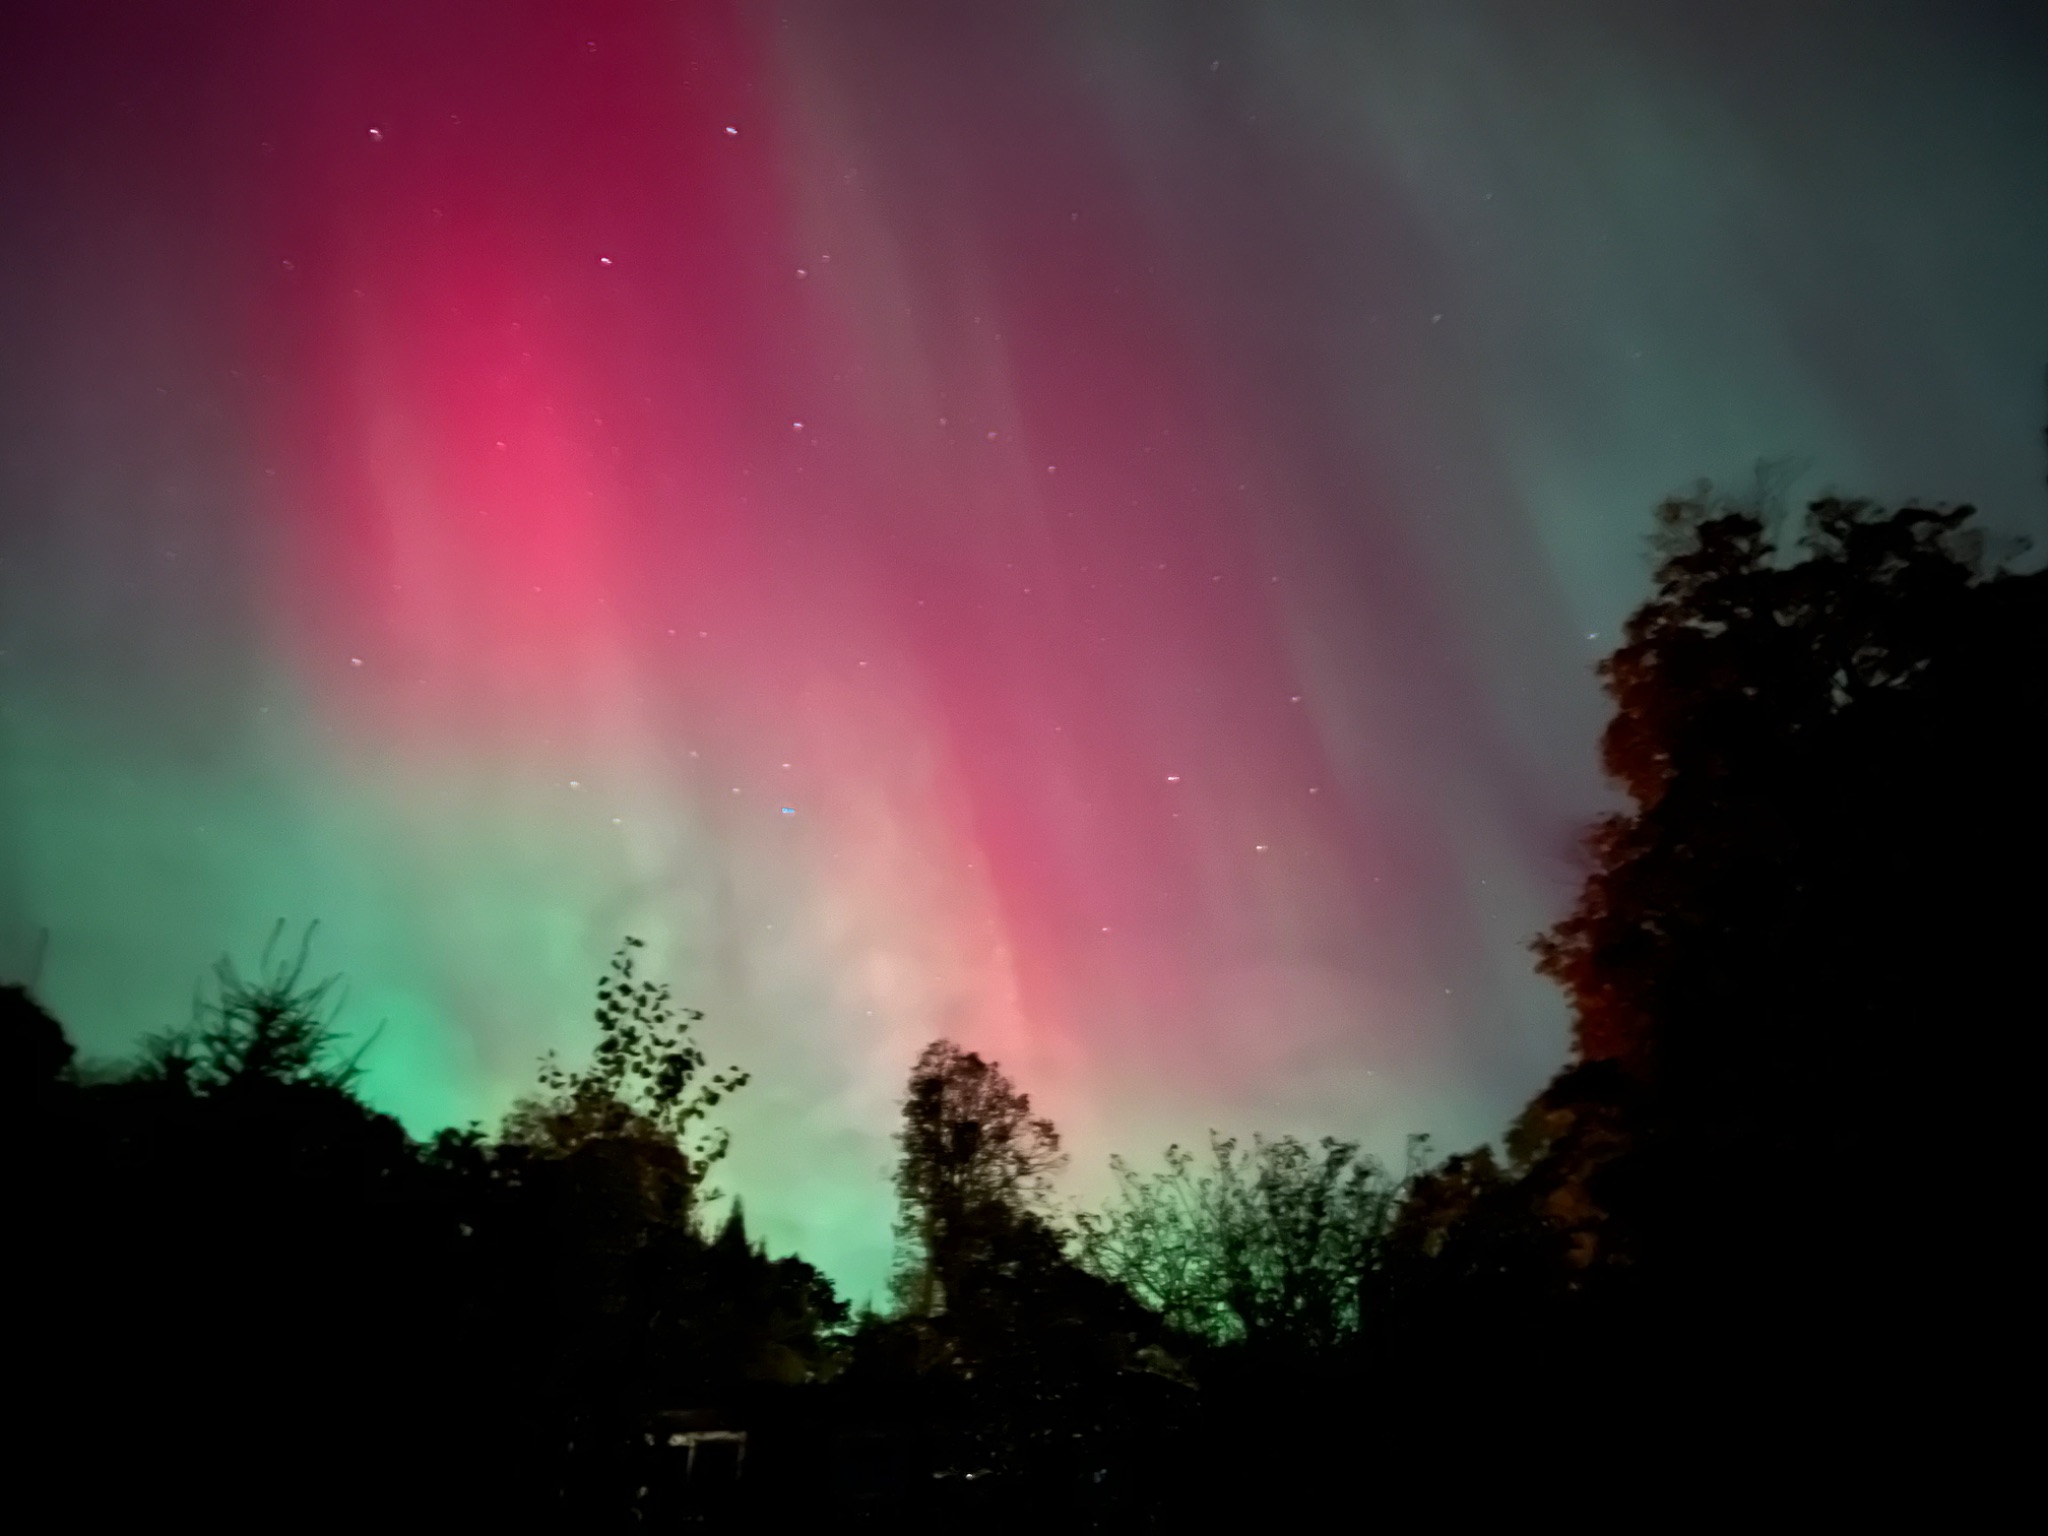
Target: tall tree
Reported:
point(1803, 952)
point(972, 1182)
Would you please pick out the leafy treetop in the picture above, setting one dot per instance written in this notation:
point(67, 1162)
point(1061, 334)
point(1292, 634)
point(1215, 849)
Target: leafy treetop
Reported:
point(643, 1082)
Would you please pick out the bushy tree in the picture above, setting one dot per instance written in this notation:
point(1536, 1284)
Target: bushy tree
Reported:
point(1801, 956)
point(1273, 1246)
point(1830, 760)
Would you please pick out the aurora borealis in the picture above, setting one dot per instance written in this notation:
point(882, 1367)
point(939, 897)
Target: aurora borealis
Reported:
point(1080, 528)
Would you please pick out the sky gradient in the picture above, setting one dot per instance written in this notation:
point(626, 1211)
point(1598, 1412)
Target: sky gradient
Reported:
point(1081, 528)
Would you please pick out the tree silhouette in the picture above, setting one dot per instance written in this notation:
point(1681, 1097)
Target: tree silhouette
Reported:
point(273, 1028)
point(1799, 954)
point(972, 1182)
point(34, 1054)
point(1782, 1168)
point(1272, 1247)
point(237, 1254)
point(642, 1081)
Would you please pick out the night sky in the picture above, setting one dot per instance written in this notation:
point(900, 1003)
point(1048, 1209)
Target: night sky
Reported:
point(1080, 528)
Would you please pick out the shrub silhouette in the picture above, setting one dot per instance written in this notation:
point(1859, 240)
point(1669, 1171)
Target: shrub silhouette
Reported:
point(1274, 1247)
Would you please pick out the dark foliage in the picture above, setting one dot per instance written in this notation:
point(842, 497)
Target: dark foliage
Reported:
point(253, 1294)
point(972, 1184)
point(1761, 1209)
point(1800, 971)
point(1277, 1248)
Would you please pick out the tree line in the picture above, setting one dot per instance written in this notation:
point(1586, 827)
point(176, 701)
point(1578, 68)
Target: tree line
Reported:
point(1759, 1210)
